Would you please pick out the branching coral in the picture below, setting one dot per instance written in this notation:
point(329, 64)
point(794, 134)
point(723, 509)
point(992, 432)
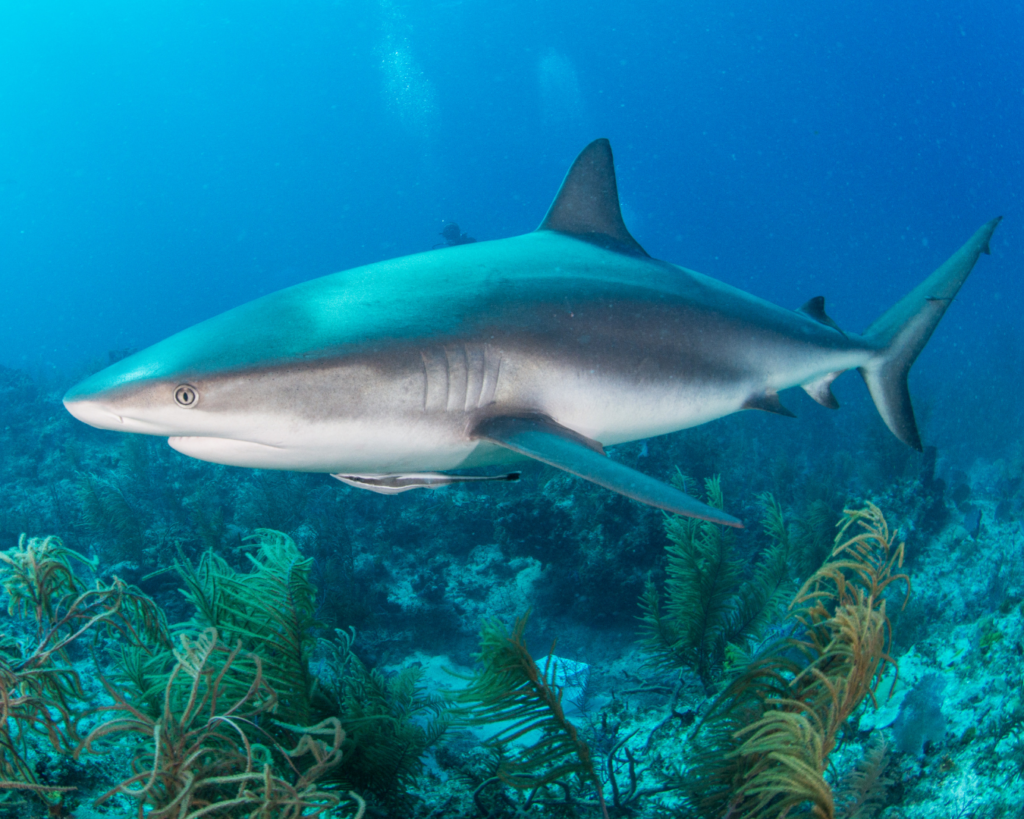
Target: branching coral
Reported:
point(204, 749)
point(769, 735)
point(107, 509)
point(815, 536)
point(390, 721)
point(231, 720)
point(270, 609)
point(201, 756)
point(40, 689)
point(864, 791)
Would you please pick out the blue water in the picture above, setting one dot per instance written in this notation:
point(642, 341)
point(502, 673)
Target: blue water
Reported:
point(162, 162)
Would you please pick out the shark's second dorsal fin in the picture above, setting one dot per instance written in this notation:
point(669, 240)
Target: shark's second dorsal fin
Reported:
point(815, 309)
point(587, 204)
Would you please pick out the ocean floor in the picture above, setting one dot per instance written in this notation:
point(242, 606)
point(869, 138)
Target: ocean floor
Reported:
point(398, 590)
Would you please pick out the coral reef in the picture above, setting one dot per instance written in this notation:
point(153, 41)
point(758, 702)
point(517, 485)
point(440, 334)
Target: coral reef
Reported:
point(351, 617)
point(201, 756)
point(524, 700)
point(712, 606)
point(770, 734)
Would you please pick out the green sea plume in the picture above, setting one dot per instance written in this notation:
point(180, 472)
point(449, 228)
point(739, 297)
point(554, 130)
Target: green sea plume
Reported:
point(524, 701)
point(709, 609)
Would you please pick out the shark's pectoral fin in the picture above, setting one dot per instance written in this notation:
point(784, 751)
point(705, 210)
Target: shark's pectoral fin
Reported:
point(392, 484)
point(821, 389)
point(539, 437)
point(815, 309)
point(768, 401)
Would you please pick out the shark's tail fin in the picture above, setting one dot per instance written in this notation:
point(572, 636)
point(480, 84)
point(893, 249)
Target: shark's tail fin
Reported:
point(901, 333)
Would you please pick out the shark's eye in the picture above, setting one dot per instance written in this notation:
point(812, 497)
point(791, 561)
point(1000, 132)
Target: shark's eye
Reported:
point(185, 395)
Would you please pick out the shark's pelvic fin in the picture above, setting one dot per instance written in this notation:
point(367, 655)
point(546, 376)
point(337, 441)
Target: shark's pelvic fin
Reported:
point(902, 331)
point(815, 309)
point(392, 484)
point(539, 437)
point(821, 389)
point(768, 401)
point(587, 204)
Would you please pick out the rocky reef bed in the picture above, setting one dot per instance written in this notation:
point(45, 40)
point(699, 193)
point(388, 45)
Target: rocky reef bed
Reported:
point(399, 589)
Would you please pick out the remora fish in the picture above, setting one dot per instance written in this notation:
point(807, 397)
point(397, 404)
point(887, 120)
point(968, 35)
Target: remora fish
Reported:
point(545, 346)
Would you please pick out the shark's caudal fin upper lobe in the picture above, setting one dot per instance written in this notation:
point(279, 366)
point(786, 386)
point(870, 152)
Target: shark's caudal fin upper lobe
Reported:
point(901, 333)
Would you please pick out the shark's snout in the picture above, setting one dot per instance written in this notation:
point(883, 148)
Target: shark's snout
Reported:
point(92, 412)
point(104, 413)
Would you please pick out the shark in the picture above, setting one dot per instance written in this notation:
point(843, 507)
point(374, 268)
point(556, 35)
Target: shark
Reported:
point(548, 346)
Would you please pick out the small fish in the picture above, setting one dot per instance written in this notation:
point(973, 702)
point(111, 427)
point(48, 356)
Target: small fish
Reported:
point(393, 484)
point(972, 521)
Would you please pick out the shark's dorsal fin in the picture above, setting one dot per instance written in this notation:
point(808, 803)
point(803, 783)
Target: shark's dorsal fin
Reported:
point(587, 204)
point(815, 309)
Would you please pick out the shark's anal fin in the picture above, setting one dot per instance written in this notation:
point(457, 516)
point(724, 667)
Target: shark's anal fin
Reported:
point(815, 309)
point(587, 204)
point(821, 389)
point(768, 401)
point(539, 437)
point(393, 483)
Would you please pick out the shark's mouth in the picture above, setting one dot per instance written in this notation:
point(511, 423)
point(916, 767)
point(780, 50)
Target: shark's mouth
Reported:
point(233, 452)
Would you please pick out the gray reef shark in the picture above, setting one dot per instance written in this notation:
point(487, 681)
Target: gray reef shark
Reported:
point(549, 345)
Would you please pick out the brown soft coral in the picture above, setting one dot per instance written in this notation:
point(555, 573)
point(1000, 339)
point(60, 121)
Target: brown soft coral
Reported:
point(769, 735)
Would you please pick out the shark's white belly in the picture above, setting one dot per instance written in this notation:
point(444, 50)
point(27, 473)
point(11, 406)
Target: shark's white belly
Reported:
point(435, 435)
point(425, 424)
point(340, 446)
